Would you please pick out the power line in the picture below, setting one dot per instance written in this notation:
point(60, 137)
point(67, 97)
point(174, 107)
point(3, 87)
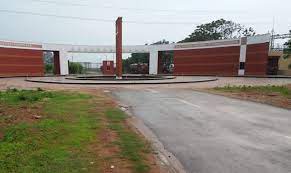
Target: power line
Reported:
point(160, 12)
point(135, 9)
point(160, 23)
point(90, 19)
point(53, 15)
point(105, 20)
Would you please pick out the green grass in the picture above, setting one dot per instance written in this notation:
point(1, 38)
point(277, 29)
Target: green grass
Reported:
point(61, 140)
point(58, 142)
point(269, 89)
point(131, 145)
point(14, 96)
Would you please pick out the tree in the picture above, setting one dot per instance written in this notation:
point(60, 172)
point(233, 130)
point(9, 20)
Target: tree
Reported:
point(217, 30)
point(161, 42)
point(76, 68)
point(139, 58)
point(48, 57)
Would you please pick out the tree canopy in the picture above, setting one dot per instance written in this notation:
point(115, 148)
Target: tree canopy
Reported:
point(217, 30)
point(161, 42)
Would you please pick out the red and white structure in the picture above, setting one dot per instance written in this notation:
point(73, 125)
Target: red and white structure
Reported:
point(233, 57)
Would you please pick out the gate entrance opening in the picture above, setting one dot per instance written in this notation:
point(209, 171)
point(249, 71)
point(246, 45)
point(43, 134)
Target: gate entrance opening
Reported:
point(51, 62)
point(166, 62)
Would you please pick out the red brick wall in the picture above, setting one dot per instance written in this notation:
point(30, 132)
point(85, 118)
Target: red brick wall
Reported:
point(210, 61)
point(257, 59)
point(21, 62)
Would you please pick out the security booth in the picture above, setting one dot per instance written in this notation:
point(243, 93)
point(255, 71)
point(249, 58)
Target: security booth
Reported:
point(108, 68)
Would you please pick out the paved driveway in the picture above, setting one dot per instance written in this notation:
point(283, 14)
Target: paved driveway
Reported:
point(214, 134)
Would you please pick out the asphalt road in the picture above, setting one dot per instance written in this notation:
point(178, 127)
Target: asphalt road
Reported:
point(215, 134)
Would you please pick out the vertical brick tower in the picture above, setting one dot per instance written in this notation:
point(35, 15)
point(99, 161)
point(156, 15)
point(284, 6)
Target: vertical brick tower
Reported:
point(119, 48)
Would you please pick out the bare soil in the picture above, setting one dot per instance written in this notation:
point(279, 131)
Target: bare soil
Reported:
point(273, 98)
point(108, 137)
point(13, 115)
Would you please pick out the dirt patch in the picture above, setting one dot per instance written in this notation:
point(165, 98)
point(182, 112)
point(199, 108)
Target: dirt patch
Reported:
point(16, 114)
point(272, 98)
point(111, 162)
point(10, 115)
point(107, 147)
point(106, 151)
point(109, 151)
point(151, 158)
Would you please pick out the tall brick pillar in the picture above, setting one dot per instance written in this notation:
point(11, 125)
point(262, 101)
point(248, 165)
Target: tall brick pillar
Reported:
point(119, 47)
point(57, 68)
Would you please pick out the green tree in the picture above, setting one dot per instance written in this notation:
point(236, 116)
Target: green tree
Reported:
point(135, 58)
point(76, 68)
point(161, 42)
point(217, 30)
point(138, 58)
point(48, 57)
point(49, 68)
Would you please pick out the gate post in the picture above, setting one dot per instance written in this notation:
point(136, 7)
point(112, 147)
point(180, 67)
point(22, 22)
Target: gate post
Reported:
point(119, 47)
point(153, 69)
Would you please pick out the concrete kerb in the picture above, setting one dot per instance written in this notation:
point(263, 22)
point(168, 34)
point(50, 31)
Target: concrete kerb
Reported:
point(75, 82)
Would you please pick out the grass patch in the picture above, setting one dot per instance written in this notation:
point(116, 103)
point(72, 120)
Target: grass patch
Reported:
point(65, 139)
point(269, 89)
point(58, 142)
point(131, 145)
point(15, 96)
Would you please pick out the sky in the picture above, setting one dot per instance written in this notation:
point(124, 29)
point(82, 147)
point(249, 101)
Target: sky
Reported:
point(144, 21)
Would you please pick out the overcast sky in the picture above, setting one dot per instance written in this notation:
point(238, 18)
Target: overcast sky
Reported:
point(258, 14)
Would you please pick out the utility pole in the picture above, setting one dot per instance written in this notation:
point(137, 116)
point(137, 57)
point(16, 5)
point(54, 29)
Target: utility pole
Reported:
point(273, 35)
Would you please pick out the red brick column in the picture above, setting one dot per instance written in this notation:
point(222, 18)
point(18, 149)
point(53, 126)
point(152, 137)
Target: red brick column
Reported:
point(57, 68)
point(119, 47)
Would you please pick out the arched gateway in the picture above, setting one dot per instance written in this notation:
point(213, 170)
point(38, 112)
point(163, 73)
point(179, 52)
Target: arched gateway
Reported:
point(233, 57)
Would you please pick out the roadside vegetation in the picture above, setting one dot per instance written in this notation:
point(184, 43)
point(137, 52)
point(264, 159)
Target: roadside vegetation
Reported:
point(46, 131)
point(284, 91)
point(129, 143)
point(49, 68)
point(76, 68)
point(274, 95)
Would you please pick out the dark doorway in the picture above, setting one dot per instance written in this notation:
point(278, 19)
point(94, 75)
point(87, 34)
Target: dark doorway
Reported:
point(166, 62)
point(273, 66)
point(57, 68)
point(52, 62)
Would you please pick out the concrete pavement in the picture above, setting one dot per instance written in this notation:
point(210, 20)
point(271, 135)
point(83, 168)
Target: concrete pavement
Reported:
point(210, 133)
